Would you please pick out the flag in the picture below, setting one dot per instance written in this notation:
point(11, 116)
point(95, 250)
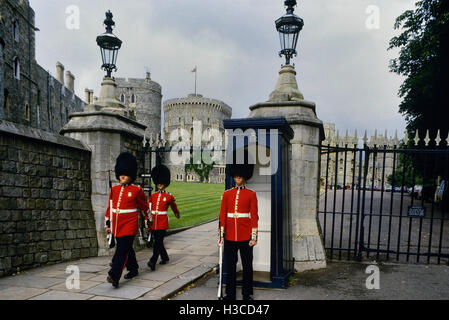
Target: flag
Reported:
point(194, 70)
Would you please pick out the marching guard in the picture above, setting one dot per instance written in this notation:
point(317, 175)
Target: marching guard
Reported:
point(238, 229)
point(159, 202)
point(125, 200)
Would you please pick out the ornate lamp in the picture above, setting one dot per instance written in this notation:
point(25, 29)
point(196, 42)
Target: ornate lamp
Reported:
point(109, 45)
point(289, 26)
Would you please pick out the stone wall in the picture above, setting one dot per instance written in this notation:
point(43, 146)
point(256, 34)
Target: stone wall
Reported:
point(49, 102)
point(46, 214)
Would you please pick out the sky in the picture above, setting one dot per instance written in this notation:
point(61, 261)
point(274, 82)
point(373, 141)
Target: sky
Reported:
point(342, 61)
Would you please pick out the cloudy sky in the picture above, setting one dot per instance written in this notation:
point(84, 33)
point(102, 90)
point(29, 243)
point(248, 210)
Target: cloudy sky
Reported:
point(342, 64)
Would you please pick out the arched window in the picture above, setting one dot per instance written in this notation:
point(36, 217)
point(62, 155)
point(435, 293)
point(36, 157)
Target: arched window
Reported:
point(133, 98)
point(122, 98)
point(16, 67)
point(27, 112)
point(16, 30)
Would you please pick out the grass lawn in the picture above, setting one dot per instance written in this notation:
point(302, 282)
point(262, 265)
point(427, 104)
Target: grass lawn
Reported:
point(197, 202)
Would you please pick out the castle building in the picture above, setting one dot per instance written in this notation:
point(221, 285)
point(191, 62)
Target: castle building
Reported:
point(143, 97)
point(334, 168)
point(29, 95)
point(180, 113)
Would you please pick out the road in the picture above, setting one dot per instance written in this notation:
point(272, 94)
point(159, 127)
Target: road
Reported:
point(386, 224)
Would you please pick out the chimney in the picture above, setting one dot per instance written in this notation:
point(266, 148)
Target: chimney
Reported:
point(70, 79)
point(60, 72)
point(87, 96)
point(148, 76)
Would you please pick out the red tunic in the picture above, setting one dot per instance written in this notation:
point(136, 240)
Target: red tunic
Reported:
point(126, 199)
point(238, 214)
point(159, 203)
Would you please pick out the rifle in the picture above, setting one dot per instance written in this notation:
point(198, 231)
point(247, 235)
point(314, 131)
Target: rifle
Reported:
point(220, 281)
point(111, 239)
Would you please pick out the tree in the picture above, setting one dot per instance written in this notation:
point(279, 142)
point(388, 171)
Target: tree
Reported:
point(202, 169)
point(423, 60)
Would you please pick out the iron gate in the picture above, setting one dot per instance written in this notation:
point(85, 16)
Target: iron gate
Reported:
point(385, 203)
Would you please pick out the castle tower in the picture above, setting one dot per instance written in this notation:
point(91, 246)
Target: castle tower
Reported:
point(180, 113)
point(143, 97)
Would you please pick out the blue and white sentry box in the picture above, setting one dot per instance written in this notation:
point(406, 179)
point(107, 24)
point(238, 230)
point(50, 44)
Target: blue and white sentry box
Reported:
point(268, 143)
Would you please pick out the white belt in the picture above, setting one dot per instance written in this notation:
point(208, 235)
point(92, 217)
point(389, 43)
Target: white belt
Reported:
point(159, 212)
point(239, 215)
point(124, 210)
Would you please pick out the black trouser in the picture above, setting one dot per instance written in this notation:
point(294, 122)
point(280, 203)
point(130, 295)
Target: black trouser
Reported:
point(230, 257)
point(124, 256)
point(158, 246)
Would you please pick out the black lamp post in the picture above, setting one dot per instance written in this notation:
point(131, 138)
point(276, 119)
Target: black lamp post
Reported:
point(109, 45)
point(289, 26)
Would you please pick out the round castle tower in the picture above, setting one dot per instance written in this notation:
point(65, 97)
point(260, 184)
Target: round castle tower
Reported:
point(144, 97)
point(179, 113)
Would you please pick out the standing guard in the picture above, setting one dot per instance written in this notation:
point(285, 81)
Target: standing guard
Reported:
point(238, 229)
point(159, 202)
point(125, 200)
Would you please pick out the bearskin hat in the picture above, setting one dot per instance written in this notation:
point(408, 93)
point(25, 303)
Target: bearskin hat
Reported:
point(126, 164)
point(161, 175)
point(244, 169)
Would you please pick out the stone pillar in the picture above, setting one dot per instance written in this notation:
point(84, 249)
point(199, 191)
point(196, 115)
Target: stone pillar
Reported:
point(60, 72)
point(70, 81)
point(106, 129)
point(287, 101)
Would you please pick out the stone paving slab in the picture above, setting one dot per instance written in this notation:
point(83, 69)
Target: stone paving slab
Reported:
point(125, 291)
point(158, 275)
point(19, 293)
point(62, 295)
point(84, 285)
point(151, 284)
point(28, 281)
point(168, 288)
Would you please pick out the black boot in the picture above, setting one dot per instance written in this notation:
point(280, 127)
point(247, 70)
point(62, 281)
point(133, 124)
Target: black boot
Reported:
point(113, 281)
point(131, 274)
point(151, 265)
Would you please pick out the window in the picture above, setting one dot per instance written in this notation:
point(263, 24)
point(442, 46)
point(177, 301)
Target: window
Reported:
point(133, 98)
point(122, 98)
point(6, 101)
point(16, 68)
point(16, 30)
point(27, 112)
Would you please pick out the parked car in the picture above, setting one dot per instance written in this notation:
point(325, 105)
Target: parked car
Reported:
point(388, 188)
point(415, 192)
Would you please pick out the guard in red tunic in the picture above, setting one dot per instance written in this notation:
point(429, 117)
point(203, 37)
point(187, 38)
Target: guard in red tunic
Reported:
point(159, 203)
point(238, 229)
point(125, 200)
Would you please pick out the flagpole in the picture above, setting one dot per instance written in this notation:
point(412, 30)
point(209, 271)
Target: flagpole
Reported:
point(196, 71)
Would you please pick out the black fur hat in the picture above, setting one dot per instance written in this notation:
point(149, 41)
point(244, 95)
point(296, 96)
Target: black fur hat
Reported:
point(161, 175)
point(244, 170)
point(126, 164)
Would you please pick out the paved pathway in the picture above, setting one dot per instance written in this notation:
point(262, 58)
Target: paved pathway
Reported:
point(192, 253)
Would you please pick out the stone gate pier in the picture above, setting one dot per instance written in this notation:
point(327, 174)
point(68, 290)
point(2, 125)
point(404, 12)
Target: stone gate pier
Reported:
point(287, 101)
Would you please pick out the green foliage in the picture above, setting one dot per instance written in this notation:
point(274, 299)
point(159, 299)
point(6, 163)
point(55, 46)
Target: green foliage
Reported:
point(202, 169)
point(423, 60)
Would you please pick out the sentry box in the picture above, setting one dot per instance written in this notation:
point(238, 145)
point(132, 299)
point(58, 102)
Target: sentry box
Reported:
point(267, 141)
